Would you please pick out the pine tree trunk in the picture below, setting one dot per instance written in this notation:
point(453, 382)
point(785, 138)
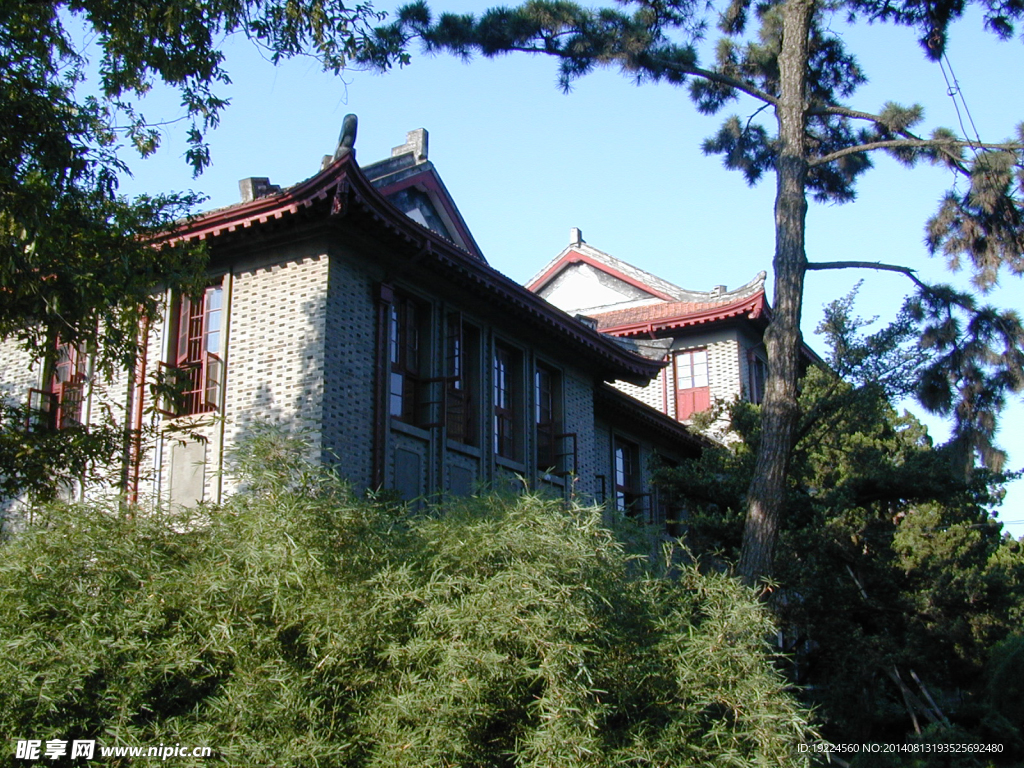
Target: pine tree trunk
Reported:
point(766, 495)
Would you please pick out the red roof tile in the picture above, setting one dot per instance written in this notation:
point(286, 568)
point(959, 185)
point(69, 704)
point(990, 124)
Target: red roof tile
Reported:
point(678, 314)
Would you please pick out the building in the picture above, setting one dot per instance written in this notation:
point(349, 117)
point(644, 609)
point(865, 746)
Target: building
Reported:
point(712, 341)
point(356, 308)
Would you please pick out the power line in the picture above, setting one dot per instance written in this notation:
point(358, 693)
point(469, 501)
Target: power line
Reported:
point(954, 90)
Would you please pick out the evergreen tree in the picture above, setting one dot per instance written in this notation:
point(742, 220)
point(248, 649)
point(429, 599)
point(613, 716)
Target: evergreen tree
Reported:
point(783, 57)
point(894, 583)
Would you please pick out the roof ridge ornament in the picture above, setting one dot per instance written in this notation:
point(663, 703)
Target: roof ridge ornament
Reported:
point(347, 137)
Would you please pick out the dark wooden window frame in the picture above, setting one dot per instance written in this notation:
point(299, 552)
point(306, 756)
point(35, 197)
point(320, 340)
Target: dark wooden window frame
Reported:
point(546, 411)
point(462, 342)
point(406, 324)
point(508, 396)
point(626, 476)
point(757, 368)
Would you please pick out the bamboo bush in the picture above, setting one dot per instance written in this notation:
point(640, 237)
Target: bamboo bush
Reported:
point(297, 625)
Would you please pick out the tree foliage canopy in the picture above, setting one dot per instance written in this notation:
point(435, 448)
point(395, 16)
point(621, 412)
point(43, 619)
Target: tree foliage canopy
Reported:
point(890, 564)
point(785, 59)
point(74, 261)
point(297, 626)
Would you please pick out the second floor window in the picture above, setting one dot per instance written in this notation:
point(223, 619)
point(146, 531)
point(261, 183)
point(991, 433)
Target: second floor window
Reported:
point(405, 351)
point(545, 414)
point(507, 395)
point(692, 391)
point(58, 404)
point(198, 357)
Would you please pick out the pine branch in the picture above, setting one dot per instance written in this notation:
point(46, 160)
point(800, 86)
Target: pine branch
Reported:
point(838, 109)
point(717, 77)
point(940, 144)
point(694, 71)
point(822, 265)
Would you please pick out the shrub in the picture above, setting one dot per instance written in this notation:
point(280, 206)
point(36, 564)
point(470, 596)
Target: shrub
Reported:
point(297, 625)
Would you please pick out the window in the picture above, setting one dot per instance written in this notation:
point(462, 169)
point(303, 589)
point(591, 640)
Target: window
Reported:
point(545, 416)
point(692, 391)
point(758, 373)
point(507, 395)
point(197, 360)
point(627, 477)
point(461, 364)
point(406, 342)
point(58, 405)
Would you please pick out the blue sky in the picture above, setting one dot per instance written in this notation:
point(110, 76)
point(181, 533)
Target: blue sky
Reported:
point(623, 163)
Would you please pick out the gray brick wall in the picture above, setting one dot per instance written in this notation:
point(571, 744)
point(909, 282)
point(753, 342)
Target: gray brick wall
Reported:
point(349, 358)
point(19, 372)
point(275, 348)
point(579, 418)
point(653, 394)
point(724, 370)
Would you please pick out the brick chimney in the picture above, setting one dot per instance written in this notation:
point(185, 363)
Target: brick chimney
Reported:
point(256, 187)
point(416, 143)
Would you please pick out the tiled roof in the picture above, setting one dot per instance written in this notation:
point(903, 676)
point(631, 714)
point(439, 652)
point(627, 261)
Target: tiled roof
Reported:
point(679, 314)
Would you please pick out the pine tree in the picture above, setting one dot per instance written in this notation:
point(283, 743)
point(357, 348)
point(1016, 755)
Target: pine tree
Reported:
point(783, 57)
point(891, 570)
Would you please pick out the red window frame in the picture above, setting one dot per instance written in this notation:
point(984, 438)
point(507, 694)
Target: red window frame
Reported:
point(197, 360)
point(58, 404)
point(693, 391)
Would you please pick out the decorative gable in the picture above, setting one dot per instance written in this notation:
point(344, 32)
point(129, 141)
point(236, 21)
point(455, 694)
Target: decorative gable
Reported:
point(584, 280)
point(580, 284)
point(409, 181)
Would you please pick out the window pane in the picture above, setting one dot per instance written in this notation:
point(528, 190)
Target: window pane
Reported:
point(393, 336)
point(214, 376)
point(692, 369)
point(213, 298)
point(506, 399)
point(396, 394)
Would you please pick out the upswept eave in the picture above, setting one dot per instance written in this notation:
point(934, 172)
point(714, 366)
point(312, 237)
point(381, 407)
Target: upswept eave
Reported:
point(652, 318)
